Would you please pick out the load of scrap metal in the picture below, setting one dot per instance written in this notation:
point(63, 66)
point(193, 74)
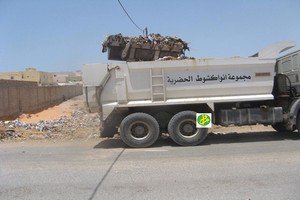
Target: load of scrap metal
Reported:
point(152, 47)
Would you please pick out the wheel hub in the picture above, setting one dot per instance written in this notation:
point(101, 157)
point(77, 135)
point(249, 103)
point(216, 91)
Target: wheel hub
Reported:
point(139, 130)
point(187, 128)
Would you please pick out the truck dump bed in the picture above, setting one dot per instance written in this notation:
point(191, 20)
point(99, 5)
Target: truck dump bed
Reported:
point(173, 82)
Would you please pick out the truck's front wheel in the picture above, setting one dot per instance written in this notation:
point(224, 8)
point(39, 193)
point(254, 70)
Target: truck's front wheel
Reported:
point(182, 129)
point(139, 130)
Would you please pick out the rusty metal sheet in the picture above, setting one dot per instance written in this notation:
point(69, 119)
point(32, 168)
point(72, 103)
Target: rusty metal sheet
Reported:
point(151, 47)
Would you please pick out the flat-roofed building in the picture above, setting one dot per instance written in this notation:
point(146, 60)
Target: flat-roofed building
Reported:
point(67, 77)
point(30, 74)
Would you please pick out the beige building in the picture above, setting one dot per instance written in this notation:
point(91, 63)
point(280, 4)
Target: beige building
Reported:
point(30, 74)
point(67, 77)
point(11, 75)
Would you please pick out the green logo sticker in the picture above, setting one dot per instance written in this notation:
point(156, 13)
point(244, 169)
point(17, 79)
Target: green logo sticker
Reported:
point(203, 120)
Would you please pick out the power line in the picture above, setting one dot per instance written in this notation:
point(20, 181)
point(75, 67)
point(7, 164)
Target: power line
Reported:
point(130, 17)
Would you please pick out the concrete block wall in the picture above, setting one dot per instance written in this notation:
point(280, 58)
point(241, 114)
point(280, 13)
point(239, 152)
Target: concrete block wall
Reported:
point(17, 97)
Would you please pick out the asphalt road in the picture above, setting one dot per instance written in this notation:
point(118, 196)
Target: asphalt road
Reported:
point(234, 166)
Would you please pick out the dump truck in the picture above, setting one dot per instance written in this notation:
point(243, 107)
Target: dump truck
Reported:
point(141, 100)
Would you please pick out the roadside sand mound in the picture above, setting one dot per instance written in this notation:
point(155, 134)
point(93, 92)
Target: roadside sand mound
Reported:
point(66, 121)
point(64, 109)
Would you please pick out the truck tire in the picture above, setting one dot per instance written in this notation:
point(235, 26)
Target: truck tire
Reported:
point(182, 129)
point(139, 130)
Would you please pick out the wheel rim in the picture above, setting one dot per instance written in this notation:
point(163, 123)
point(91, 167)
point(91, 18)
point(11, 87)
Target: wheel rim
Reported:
point(139, 130)
point(187, 128)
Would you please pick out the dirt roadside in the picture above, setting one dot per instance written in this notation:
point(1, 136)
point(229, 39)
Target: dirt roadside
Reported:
point(71, 121)
point(64, 122)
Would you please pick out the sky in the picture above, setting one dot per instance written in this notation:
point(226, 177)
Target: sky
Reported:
point(62, 35)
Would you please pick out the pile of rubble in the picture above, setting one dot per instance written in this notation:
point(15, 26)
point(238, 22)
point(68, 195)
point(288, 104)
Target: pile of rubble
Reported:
point(152, 47)
point(44, 129)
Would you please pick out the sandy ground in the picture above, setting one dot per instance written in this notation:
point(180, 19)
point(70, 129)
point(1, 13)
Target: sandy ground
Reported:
point(64, 122)
point(74, 122)
point(64, 109)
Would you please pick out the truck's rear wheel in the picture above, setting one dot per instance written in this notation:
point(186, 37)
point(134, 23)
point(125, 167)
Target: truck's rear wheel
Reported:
point(139, 130)
point(182, 129)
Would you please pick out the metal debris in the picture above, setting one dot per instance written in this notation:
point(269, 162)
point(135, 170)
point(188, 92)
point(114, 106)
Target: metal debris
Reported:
point(141, 48)
point(174, 58)
point(9, 134)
